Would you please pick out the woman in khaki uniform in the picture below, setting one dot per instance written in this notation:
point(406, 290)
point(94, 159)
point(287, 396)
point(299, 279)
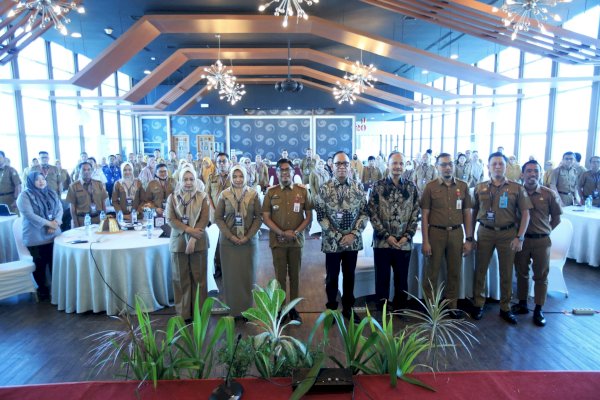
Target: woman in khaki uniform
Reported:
point(238, 216)
point(127, 191)
point(187, 214)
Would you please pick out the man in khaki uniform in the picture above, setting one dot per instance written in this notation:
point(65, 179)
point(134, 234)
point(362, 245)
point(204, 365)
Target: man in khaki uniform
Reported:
point(86, 196)
point(371, 174)
point(564, 180)
point(10, 184)
point(262, 173)
point(446, 207)
point(307, 166)
point(218, 182)
point(588, 183)
point(83, 157)
point(357, 168)
point(544, 217)
point(424, 173)
point(496, 206)
point(287, 212)
point(50, 172)
point(158, 190)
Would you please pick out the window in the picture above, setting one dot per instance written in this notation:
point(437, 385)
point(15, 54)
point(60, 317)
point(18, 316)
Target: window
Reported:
point(32, 61)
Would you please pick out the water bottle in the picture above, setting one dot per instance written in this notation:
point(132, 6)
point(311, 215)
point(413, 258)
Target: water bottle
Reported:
point(134, 217)
point(149, 228)
point(87, 222)
point(588, 204)
point(120, 218)
point(102, 216)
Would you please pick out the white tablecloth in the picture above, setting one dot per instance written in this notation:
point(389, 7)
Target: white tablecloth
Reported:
point(8, 248)
point(585, 246)
point(130, 263)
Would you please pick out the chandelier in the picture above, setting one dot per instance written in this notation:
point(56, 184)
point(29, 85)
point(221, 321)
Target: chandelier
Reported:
point(287, 8)
point(362, 75)
point(47, 11)
point(217, 75)
point(345, 92)
point(233, 92)
point(520, 14)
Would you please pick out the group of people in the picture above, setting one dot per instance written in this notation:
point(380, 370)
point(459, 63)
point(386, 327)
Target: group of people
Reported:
point(450, 195)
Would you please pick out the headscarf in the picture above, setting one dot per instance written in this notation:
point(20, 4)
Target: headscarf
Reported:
point(179, 188)
point(128, 184)
point(233, 196)
point(208, 171)
point(43, 201)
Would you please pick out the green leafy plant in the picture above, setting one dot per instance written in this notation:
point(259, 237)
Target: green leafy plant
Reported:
point(244, 357)
point(437, 326)
point(275, 352)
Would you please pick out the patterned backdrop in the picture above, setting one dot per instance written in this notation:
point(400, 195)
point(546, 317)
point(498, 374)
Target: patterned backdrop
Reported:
point(154, 134)
point(268, 137)
point(334, 134)
point(199, 125)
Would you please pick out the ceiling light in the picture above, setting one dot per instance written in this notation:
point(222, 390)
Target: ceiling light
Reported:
point(233, 92)
point(48, 12)
point(345, 92)
point(287, 8)
point(76, 35)
point(152, 58)
point(362, 75)
point(289, 84)
point(520, 14)
point(217, 75)
point(108, 31)
point(424, 71)
point(147, 72)
point(289, 108)
point(454, 56)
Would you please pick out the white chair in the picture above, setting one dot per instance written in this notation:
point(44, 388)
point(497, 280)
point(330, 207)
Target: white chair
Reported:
point(364, 275)
point(213, 239)
point(561, 238)
point(315, 227)
point(297, 180)
point(17, 277)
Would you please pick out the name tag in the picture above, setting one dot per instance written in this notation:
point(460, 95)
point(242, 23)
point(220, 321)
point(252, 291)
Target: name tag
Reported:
point(490, 215)
point(296, 207)
point(459, 204)
point(185, 220)
point(129, 201)
point(339, 215)
point(164, 205)
point(238, 220)
point(503, 201)
point(93, 208)
point(159, 221)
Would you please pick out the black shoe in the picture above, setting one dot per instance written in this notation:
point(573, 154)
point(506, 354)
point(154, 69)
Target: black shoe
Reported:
point(508, 316)
point(519, 309)
point(477, 313)
point(217, 273)
point(538, 318)
point(456, 314)
point(348, 314)
point(295, 315)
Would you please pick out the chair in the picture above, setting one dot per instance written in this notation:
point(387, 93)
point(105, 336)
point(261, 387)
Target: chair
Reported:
point(561, 238)
point(213, 238)
point(364, 274)
point(297, 180)
point(17, 277)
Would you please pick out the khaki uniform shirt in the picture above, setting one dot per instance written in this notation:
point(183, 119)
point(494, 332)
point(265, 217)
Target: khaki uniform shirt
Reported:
point(127, 198)
point(589, 182)
point(546, 207)
point(216, 185)
point(513, 172)
point(52, 175)
point(423, 174)
point(463, 172)
point(564, 179)
point(307, 166)
point(172, 166)
point(371, 175)
point(357, 169)
point(9, 180)
point(262, 175)
point(488, 197)
point(226, 210)
point(341, 209)
point(196, 212)
point(81, 199)
point(288, 207)
point(393, 211)
point(65, 179)
point(476, 173)
point(442, 201)
point(157, 192)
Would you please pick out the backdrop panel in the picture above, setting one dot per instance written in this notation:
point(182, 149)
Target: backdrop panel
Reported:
point(195, 125)
point(334, 134)
point(155, 134)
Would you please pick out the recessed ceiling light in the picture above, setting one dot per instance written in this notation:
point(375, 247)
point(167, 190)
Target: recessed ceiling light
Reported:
point(147, 72)
point(454, 56)
point(289, 108)
point(76, 35)
point(108, 31)
point(152, 58)
point(204, 105)
point(424, 71)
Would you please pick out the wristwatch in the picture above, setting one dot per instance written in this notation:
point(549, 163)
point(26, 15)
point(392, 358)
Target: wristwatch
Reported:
point(297, 233)
point(521, 238)
point(469, 239)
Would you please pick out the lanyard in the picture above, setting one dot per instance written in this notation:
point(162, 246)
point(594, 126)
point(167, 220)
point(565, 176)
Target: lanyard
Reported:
point(89, 187)
point(494, 193)
point(163, 185)
point(128, 189)
point(185, 204)
point(239, 202)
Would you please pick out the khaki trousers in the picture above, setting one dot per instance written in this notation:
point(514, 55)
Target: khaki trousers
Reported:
point(536, 251)
point(487, 241)
point(287, 262)
point(189, 274)
point(446, 245)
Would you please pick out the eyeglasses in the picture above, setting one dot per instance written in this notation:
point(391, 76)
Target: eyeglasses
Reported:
point(341, 164)
point(284, 170)
point(445, 164)
point(222, 161)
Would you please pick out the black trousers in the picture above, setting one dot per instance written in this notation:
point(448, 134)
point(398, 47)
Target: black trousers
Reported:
point(399, 261)
point(333, 261)
point(42, 258)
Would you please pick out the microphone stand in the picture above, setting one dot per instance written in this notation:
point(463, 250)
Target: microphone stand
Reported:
point(230, 389)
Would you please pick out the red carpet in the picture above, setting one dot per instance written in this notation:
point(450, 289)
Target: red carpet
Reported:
point(487, 385)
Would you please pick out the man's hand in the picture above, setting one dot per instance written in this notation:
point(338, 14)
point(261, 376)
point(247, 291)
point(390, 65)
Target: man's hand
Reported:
point(347, 240)
point(426, 249)
point(467, 248)
point(392, 241)
point(516, 245)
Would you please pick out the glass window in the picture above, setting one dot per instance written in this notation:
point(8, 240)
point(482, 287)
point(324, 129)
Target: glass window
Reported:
point(508, 62)
point(449, 132)
point(124, 83)
point(425, 133)
point(451, 84)
point(487, 63)
point(9, 129)
point(90, 119)
point(36, 114)
point(67, 119)
point(127, 133)
point(568, 141)
point(570, 113)
point(32, 61)
point(534, 115)
point(416, 135)
point(5, 71)
point(464, 130)
point(63, 64)
point(436, 134)
point(532, 145)
point(585, 23)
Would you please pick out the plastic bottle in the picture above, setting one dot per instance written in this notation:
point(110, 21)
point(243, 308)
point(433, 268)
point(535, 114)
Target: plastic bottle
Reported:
point(120, 218)
point(588, 204)
point(134, 217)
point(102, 216)
point(87, 222)
point(149, 228)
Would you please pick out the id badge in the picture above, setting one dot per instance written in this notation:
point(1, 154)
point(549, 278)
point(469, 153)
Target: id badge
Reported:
point(164, 205)
point(238, 220)
point(459, 204)
point(93, 208)
point(185, 220)
point(296, 207)
point(503, 201)
point(50, 217)
point(129, 203)
point(490, 215)
point(464, 177)
point(339, 215)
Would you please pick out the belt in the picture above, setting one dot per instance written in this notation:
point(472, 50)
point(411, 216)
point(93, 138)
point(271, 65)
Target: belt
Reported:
point(446, 228)
point(6, 194)
point(536, 235)
point(91, 214)
point(502, 228)
point(564, 192)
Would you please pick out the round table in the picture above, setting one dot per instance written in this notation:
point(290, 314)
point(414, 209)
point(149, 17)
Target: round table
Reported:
point(8, 250)
point(586, 234)
point(128, 262)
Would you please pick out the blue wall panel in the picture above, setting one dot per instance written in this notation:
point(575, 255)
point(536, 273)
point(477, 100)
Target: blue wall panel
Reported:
point(199, 125)
point(333, 134)
point(154, 134)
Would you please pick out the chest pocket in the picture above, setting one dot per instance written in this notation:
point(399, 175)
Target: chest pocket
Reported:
point(82, 196)
point(438, 194)
point(276, 205)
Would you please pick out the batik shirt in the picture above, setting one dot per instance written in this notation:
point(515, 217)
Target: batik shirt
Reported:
point(393, 211)
point(341, 209)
